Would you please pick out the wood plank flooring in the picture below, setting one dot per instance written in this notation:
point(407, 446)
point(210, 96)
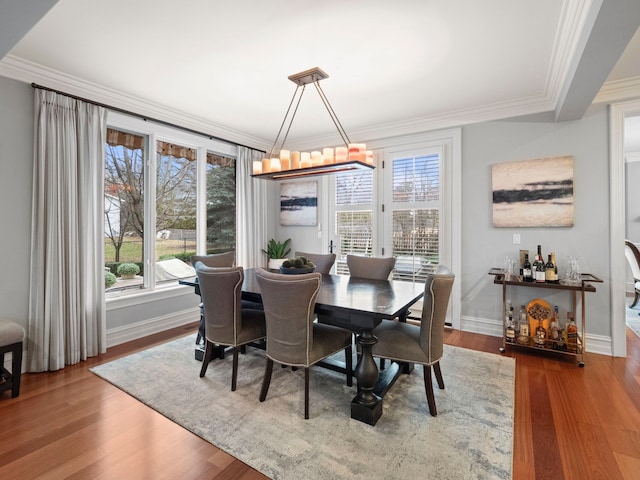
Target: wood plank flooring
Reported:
point(570, 422)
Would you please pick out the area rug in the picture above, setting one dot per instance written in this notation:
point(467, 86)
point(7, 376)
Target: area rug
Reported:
point(633, 319)
point(471, 438)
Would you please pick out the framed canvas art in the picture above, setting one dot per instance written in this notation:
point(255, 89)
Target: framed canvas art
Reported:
point(299, 203)
point(533, 193)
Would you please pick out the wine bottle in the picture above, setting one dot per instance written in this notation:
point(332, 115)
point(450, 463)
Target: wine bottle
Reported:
point(527, 273)
point(555, 268)
point(539, 271)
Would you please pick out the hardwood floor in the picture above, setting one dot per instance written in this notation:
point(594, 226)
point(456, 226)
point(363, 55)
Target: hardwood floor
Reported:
point(570, 422)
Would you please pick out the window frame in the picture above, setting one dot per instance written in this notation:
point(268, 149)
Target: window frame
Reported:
point(154, 132)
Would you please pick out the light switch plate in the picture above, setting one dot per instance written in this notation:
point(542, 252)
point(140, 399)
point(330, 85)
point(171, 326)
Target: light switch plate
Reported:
point(516, 239)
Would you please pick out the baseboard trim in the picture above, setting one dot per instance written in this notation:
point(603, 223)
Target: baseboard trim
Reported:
point(127, 333)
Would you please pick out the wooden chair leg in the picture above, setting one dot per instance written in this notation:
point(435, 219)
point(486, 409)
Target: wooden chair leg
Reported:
point(438, 372)
point(382, 363)
point(234, 369)
point(206, 358)
point(306, 393)
point(266, 380)
point(16, 369)
point(348, 357)
point(428, 385)
point(635, 299)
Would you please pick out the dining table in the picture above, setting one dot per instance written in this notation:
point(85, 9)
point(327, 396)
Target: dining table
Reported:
point(359, 305)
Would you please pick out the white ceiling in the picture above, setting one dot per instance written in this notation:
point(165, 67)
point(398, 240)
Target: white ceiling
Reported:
point(394, 67)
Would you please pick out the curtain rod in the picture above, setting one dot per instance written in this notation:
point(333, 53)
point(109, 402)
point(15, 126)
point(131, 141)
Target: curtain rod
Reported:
point(144, 117)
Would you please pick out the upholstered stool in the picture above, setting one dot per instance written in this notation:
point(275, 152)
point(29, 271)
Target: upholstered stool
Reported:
point(11, 337)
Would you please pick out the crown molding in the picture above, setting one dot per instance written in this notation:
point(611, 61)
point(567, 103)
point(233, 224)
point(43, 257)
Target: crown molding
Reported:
point(619, 90)
point(30, 72)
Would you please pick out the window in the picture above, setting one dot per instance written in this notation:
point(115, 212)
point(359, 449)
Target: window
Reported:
point(160, 209)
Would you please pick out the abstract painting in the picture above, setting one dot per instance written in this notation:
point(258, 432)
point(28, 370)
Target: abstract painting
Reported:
point(298, 203)
point(533, 193)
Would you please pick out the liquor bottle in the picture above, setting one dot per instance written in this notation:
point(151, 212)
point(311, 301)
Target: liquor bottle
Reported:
point(554, 329)
point(527, 273)
point(540, 268)
point(511, 329)
point(541, 335)
point(551, 270)
point(523, 330)
point(572, 334)
point(555, 268)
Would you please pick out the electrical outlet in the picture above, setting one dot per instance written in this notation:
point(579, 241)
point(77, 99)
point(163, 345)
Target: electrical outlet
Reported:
point(516, 239)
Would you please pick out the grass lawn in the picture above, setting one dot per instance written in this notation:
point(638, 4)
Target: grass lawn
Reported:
point(131, 250)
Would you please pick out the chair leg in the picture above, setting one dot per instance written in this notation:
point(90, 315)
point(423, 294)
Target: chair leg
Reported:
point(428, 385)
point(234, 370)
point(438, 372)
point(382, 363)
point(16, 369)
point(348, 357)
point(266, 380)
point(306, 393)
point(206, 358)
point(635, 300)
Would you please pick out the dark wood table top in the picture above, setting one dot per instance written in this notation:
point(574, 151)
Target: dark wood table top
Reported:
point(359, 299)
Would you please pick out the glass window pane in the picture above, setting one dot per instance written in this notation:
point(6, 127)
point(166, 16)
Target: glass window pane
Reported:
point(354, 188)
point(415, 243)
point(124, 204)
point(221, 204)
point(354, 230)
point(416, 179)
point(175, 231)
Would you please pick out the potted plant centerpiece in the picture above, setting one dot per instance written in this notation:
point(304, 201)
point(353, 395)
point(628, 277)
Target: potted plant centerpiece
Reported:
point(277, 252)
point(128, 270)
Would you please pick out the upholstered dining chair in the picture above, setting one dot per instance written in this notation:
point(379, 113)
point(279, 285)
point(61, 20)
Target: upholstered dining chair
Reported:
point(226, 259)
point(422, 344)
point(633, 257)
point(375, 268)
point(322, 261)
point(293, 339)
point(227, 323)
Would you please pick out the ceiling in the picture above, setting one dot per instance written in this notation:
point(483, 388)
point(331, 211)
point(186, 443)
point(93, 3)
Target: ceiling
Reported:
point(394, 67)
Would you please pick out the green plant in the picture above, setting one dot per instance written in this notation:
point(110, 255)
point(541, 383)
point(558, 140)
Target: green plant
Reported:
point(277, 249)
point(128, 269)
point(109, 279)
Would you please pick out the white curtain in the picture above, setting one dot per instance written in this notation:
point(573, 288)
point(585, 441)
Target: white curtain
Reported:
point(251, 223)
point(66, 294)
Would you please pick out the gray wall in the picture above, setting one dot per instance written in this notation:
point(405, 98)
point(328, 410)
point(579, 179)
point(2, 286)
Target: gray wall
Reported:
point(482, 245)
point(16, 169)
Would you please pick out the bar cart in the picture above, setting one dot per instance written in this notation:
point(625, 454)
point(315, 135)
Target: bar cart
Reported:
point(583, 286)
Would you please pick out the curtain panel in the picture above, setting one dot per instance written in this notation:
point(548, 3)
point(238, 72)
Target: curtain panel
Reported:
point(66, 296)
point(251, 222)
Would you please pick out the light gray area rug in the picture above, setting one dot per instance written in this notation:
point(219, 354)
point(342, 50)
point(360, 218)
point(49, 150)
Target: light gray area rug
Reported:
point(471, 438)
point(633, 319)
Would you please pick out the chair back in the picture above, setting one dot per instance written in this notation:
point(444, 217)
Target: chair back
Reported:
point(633, 257)
point(437, 292)
point(374, 268)
point(226, 259)
point(322, 261)
point(221, 291)
point(289, 302)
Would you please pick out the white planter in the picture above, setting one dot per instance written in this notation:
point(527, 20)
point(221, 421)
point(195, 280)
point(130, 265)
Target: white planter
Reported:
point(275, 263)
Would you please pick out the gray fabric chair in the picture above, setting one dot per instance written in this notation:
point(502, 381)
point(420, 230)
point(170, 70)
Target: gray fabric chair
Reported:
point(375, 268)
point(226, 322)
point(226, 259)
point(322, 261)
point(633, 257)
point(422, 344)
point(292, 337)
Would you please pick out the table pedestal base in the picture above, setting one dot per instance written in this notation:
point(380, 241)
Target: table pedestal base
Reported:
point(366, 413)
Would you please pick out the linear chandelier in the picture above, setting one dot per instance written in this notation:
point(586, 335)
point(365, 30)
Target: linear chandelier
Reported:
point(287, 164)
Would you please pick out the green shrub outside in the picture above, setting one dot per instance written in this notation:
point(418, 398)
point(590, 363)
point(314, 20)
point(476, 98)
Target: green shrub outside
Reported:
point(128, 268)
point(109, 279)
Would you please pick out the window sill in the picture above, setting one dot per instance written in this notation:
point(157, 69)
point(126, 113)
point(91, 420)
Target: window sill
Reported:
point(127, 298)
